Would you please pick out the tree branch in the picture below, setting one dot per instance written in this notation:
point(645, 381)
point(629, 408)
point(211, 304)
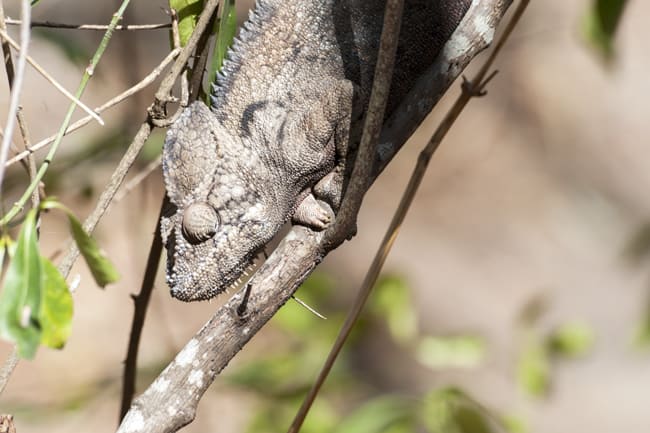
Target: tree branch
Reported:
point(170, 401)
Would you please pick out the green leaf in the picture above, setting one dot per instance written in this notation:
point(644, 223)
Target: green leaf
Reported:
point(533, 369)
point(571, 339)
point(188, 14)
point(600, 24)
point(451, 411)
point(21, 295)
point(392, 301)
point(101, 268)
point(377, 415)
point(56, 307)
point(515, 424)
point(444, 352)
point(471, 420)
point(34, 2)
point(226, 28)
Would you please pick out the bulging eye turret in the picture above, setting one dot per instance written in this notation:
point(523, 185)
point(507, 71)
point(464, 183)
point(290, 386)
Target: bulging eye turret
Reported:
point(200, 222)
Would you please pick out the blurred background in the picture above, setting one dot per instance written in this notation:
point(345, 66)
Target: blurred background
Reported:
point(516, 297)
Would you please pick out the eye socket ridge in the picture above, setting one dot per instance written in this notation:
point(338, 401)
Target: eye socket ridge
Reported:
point(200, 222)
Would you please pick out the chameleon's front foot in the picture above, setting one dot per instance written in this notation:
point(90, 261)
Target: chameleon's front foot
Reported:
point(312, 214)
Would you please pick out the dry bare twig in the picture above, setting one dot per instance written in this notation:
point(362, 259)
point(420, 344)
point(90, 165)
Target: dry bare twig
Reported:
point(146, 81)
point(30, 166)
point(345, 224)
point(133, 183)
point(53, 25)
point(51, 79)
point(17, 86)
point(170, 401)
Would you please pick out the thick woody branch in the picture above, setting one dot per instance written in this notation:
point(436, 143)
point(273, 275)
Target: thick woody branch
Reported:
point(171, 400)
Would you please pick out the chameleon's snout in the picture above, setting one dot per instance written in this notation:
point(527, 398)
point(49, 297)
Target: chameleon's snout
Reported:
point(185, 295)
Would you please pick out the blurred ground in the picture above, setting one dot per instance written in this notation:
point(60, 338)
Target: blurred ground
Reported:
point(535, 194)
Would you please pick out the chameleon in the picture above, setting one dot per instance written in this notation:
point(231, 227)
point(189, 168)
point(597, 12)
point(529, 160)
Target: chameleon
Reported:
point(286, 112)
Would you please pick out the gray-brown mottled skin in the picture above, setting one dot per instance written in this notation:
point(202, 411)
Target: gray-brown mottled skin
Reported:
point(289, 100)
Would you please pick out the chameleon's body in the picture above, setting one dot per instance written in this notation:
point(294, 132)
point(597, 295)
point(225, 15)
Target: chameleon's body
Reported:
point(291, 97)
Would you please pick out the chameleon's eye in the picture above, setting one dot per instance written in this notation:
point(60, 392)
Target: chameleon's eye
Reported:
point(200, 222)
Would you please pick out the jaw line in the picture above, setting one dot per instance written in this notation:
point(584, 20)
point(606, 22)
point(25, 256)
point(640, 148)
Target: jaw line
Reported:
point(231, 282)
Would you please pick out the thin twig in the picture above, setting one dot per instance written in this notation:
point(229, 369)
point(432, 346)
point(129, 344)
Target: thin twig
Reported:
point(22, 122)
point(146, 81)
point(141, 303)
point(17, 207)
point(129, 27)
point(15, 93)
point(107, 195)
point(138, 179)
point(51, 79)
point(360, 178)
point(176, 39)
point(162, 95)
point(308, 307)
point(470, 89)
point(198, 67)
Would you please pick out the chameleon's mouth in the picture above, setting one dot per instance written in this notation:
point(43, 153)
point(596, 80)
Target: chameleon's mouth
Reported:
point(204, 284)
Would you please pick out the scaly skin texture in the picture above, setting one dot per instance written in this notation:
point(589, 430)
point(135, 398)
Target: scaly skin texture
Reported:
point(285, 110)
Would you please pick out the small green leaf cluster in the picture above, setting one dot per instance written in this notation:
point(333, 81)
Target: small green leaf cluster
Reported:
point(35, 303)
point(568, 340)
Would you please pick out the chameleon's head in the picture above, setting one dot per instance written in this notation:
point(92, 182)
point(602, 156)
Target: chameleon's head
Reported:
point(207, 252)
point(218, 222)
